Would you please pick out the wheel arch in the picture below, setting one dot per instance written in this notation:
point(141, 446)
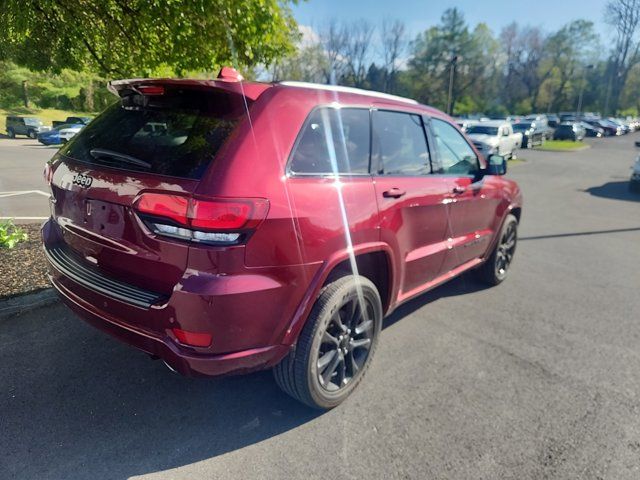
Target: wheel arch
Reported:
point(374, 261)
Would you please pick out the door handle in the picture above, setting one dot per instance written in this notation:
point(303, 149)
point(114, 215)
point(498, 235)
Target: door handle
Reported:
point(393, 193)
point(459, 190)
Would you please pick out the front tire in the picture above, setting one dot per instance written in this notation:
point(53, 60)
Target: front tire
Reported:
point(336, 345)
point(11, 133)
point(495, 269)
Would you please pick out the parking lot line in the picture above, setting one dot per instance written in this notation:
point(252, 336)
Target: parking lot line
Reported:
point(23, 192)
point(23, 218)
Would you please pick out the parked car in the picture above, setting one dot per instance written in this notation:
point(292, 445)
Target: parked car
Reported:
point(532, 134)
point(60, 134)
point(592, 130)
point(569, 131)
point(634, 181)
point(624, 127)
point(553, 120)
point(608, 128)
point(29, 126)
point(72, 121)
point(222, 245)
point(542, 125)
point(465, 123)
point(495, 137)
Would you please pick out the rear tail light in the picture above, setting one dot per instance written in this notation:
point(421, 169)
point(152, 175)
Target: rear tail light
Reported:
point(219, 221)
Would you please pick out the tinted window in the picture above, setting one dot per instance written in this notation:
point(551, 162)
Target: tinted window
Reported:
point(455, 155)
point(399, 144)
point(333, 139)
point(482, 130)
point(176, 134)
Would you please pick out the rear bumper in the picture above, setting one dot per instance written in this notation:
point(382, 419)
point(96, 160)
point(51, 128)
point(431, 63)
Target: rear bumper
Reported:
point(186, 363)
point(246, 335)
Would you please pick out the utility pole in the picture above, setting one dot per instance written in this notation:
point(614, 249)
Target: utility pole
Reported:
point(452, 72)
point(584, 74)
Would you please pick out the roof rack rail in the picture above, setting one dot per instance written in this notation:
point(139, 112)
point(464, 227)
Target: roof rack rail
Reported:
point(341, 89)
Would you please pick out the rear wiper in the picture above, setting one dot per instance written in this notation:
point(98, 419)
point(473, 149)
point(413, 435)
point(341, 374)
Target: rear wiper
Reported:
point(99, 153)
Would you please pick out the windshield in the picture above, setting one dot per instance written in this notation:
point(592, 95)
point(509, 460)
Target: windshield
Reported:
point(34, 122)
point(480, 129)
point(521, 127)
point(68, 125)
point(177, 134)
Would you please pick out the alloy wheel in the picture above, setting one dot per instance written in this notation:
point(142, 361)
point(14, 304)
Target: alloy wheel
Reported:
point(345, 345)
point(506, 249)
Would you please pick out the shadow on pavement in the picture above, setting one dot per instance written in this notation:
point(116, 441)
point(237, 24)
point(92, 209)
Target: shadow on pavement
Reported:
point(615, 191)
point(77, 404)
point(579, 234)
point(461, 285)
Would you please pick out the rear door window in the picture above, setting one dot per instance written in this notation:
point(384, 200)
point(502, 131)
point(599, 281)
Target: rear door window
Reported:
point(176, 134)
point(399, 144)
point(333, 140)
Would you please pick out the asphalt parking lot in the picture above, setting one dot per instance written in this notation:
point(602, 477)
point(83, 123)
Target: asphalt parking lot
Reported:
point(23, 192)
point(537, 378)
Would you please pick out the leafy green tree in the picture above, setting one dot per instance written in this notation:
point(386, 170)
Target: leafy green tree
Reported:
point(143, 37)
point(433, 52)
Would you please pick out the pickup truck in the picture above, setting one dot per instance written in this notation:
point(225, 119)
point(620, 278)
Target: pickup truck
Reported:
point(495, 137)
point(72, 121)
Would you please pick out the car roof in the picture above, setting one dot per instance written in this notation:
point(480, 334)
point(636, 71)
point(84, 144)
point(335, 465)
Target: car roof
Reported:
point(253, 90)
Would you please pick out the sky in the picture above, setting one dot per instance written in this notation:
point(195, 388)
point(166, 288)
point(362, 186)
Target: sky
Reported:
point(418, 15)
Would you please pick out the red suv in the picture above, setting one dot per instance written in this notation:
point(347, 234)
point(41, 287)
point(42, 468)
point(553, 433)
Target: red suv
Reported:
point(229, 226)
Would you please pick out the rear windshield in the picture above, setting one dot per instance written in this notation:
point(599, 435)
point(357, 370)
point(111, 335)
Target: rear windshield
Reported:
point(483, 130)
point(176, 134)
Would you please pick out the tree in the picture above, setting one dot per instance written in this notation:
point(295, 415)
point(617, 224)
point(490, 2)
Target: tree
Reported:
point(524, 52)
point(432, 62)
point(356, 51)
point(393, 41)
point(568, 51)
point(140, 37)
point(333, 41)
point(624, 16)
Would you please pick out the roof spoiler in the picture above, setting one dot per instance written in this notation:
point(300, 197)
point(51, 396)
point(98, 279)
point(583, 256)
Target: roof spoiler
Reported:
point(229, 79)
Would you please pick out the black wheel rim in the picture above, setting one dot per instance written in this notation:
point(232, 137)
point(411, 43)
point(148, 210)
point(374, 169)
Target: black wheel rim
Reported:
point(506, 249)
point(345, 344)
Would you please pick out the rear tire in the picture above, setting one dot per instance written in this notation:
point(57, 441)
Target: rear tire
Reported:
point(495, 269)
point(336, 345)
point(11, 133)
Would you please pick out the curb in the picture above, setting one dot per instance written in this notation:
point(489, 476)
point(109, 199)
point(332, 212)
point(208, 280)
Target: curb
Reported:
point(581, 149)
point(28, 301)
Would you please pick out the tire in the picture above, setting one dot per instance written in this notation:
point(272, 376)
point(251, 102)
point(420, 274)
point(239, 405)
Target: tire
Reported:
point(495, 269)
point(31, 134)
point(327, 330)
point(11, 133)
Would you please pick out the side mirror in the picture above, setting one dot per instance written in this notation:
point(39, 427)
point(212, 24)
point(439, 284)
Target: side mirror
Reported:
point(496, 165)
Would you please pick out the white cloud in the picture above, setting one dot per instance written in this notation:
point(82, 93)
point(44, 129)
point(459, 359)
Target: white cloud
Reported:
point(309, 36)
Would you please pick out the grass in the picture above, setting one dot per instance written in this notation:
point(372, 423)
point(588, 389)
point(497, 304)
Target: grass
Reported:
point(567, 145)
point(47, 115)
